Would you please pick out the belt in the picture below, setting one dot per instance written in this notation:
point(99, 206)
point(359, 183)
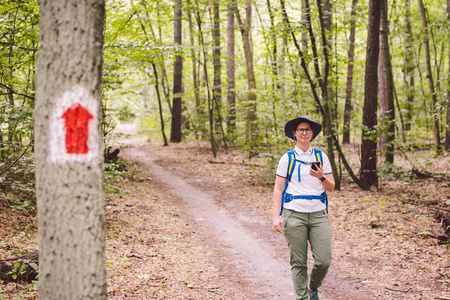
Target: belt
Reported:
point(322, 197)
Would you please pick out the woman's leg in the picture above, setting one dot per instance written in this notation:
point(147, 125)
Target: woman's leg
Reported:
point(320, 239)
point(296, 233)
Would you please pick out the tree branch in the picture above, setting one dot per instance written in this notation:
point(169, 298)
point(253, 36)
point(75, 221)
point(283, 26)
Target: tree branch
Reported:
point(19, 94)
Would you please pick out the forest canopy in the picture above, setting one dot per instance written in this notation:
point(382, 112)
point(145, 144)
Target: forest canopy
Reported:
point(233, 72)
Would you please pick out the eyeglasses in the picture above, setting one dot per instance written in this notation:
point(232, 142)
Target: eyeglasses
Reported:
point(304, 130)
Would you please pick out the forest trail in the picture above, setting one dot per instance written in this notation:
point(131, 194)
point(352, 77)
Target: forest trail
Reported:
point(250, 243)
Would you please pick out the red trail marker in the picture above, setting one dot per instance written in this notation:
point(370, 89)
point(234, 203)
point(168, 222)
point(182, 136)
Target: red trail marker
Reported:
point(77, 128)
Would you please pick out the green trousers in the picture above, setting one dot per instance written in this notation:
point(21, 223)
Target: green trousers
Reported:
point(299, 228)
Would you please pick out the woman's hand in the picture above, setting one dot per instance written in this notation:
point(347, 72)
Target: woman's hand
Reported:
point(316, 173)
point(277, 224)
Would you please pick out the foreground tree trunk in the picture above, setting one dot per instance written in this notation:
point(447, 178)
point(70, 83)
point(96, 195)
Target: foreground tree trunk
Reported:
point(426, 47)
point(368, 174)
point(69, 161)
point(175, 134)
point(349, 88)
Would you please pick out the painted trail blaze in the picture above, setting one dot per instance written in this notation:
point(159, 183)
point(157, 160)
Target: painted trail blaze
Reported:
point(77, 128)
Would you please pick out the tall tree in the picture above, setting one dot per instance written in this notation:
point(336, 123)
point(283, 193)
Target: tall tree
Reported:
point(433, 98)
point(69, 160)
point(217, 91)
point(349, 87)
point(447, 128)
point(250, 105)
point(387, 111)
point(175, 134)
point(195, 80)
point(231, 96)
point(368, 174)
point(409, 66)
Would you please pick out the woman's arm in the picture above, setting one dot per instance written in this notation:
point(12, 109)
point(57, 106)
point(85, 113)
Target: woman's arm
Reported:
point(277, 194)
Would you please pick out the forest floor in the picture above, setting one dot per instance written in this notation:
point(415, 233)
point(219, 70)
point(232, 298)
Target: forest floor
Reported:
point(185, 225)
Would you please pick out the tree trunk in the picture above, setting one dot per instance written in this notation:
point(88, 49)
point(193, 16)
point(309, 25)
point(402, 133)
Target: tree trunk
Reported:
point(217, 90)
point(69, 160)
point(175, 135)
point(382, 96)
point(231, 96)
point(447, 128)
point(161, 118)
point(250, 105)
point(304, 33)
point(349, 88)
point(206, 80)
point(194, 67)
point(389, 113)
point(426, 47)
point(368, 174)
point(409, 66)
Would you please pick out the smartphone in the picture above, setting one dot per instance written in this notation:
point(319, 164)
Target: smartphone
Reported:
point(314, 165)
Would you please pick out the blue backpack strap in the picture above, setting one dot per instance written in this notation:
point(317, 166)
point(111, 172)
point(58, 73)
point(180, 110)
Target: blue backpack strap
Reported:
point(318, 156)
point(290, 170)
point(291, 165)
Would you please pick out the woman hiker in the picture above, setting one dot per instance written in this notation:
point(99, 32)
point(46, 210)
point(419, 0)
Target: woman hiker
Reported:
point(300, 206)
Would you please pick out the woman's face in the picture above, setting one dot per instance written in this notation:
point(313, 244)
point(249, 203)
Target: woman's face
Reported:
point(303, 133)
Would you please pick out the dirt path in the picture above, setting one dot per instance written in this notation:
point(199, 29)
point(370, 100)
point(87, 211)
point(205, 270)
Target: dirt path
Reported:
point(250, 243)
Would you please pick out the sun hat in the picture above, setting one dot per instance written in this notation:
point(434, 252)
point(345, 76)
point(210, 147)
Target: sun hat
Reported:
point(292, 125)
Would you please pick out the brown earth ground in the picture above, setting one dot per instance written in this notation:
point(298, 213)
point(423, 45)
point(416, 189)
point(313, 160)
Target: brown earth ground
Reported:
point(156, 247)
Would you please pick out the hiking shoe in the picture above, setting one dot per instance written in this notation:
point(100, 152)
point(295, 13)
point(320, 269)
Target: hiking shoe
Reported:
point(314, 295)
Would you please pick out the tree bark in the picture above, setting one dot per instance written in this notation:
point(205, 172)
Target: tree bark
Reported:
point(206, 80)
point(194, 67)
point(250, 105)
point(388, 114)
point(161, 118)
point(175, 135)
point(69, 160)
point(217, 90)
point(447, 128)
point(368, 174)
point(433, 99)
point(409, 66)
point(231, 96)
point(349, 87)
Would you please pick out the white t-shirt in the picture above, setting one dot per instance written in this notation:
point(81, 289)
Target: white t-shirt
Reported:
point(307, 185)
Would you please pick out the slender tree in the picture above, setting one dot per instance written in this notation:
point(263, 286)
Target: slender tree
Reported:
point(387, 112)
point(69, 160)
point(175, 135)
point(433, 98)
point(349, 87)
point(217, 90)
point(231, 96)
point(447, 128)
point(368, 174)
point(161, 119)
point(250, 105)
point(195, 80)
point(206, 80)
point(409, 66)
